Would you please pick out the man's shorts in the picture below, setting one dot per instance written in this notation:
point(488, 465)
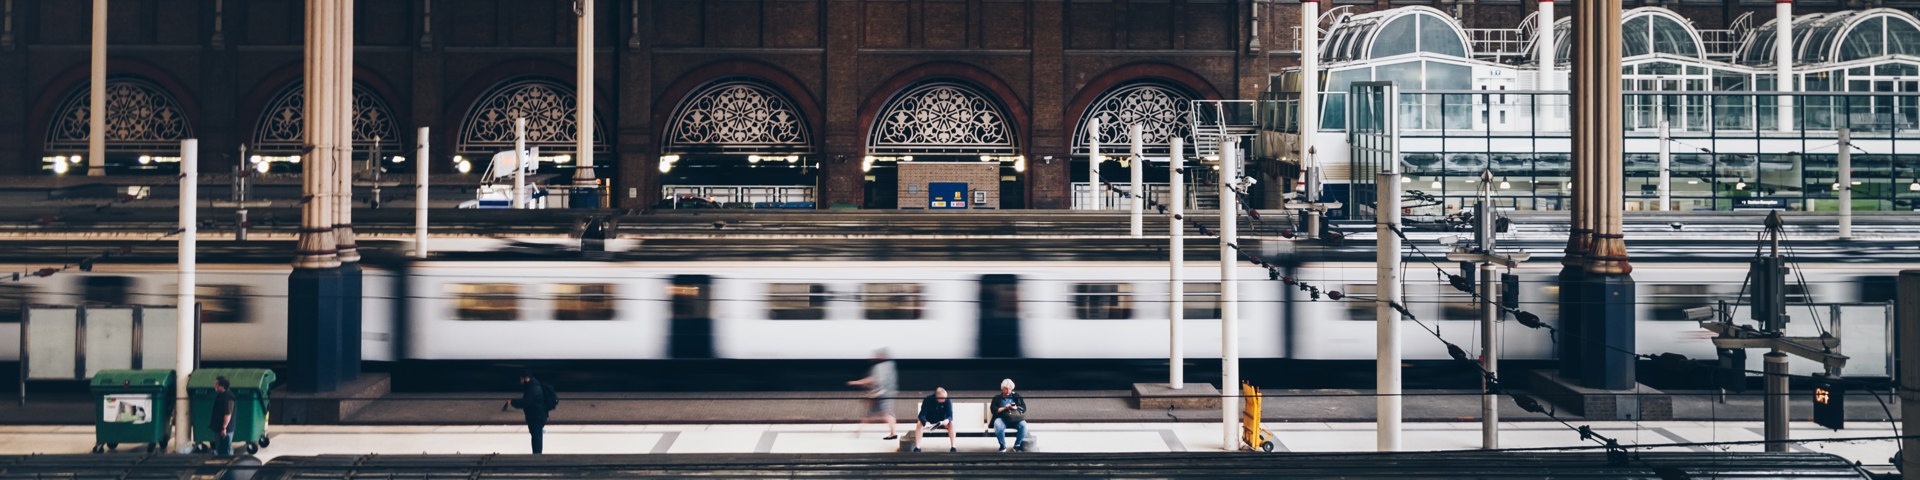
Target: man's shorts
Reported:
point(879, 406)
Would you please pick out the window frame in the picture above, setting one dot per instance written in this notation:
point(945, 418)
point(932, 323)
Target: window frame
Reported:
point(463, 311)
point(816, 300)
point(907, 304)
point(1120, 308)
point(605, 302)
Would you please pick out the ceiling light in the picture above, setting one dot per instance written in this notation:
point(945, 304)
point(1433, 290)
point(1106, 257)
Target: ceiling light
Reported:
point(1504, 185)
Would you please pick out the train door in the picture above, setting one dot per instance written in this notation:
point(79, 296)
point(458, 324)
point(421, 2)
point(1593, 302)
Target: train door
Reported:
point(690, 333)
point(999, 316)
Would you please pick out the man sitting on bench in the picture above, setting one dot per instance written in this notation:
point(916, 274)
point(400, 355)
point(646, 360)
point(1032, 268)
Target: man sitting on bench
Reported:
point(935, 412)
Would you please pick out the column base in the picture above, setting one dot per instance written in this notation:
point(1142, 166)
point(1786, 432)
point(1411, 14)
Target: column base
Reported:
point(313, 330)
point(1637, 402)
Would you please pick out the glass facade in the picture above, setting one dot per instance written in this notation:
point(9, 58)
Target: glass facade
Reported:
point(1720, 122)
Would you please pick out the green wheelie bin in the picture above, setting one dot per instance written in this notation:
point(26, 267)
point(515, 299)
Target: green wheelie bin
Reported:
point(133, 406)
point(249, 387)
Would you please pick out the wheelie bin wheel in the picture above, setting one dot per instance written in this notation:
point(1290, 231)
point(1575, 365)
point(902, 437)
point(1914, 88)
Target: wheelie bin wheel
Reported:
point(265, 442)
point(99, 449)
point(113, 446)
point(253, 448)
point(152, 446)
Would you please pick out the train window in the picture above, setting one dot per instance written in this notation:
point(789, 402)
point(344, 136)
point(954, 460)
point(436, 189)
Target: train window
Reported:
point(1202, 301)
point(892, 301)
point(13, 298)
point(1879, 288)
point(1454, 304)
point(106, 290)
point(582, 301)
point(1670, 302)
point(1103, 301)
point(690, 300)
point(796, 301)
point(1363, 311)
point(223, 303)
point(485, 301)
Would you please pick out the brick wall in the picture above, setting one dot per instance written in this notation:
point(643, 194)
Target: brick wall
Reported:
point(979, 177)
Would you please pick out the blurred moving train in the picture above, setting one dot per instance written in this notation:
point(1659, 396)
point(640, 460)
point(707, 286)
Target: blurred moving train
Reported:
point(671, 306)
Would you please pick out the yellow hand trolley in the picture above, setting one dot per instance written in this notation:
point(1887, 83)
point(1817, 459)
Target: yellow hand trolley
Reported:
point(1250, 431)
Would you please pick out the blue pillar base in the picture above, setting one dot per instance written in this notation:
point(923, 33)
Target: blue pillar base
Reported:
point(313, 330)
point(1607, 328)
point(350, 324)
point(1572, 311)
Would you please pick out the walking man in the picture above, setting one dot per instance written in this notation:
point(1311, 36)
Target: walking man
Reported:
point(536, 399)
point(222, 418)
point(881, 381)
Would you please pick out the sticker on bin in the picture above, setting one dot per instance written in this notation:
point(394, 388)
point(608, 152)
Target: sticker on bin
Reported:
point(135, 408)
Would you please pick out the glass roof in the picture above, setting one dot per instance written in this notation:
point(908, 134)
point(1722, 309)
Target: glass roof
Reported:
point(1838, 37)
point(1646, 31)
point(1393, 32)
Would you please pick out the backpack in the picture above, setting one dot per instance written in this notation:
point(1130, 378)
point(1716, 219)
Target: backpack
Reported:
point(553, 399)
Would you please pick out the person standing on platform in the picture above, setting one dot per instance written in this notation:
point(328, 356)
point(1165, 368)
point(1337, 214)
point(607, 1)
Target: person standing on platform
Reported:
point(221, 418)
point(935, 412)
point(1009, 410)
point(881, 381)
point(536, 399)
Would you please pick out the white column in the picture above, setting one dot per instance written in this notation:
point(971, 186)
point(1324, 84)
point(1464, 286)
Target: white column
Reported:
point(1387, 320)
point(97, 97)
point(1309, 82)
point(187, 322)
point(316, 248)
point(583, 175)
point(1229, 296)
point(1543, 54)
point(520, 163)
point(342, 138)
point(1176, 278)
point(421, 160)
point(1139, 195)
point(1666, 160)
point(1783, 60)
point(1093, 165)
point(1846, 183)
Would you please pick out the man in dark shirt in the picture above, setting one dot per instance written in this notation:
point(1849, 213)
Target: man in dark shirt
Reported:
point(534, 401)
point(935, 412)
point(221, 420)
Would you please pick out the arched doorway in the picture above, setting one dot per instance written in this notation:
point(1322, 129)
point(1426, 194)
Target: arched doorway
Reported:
point(144, 127)
point(740, 141)
point(280, 134)
point(1163, 112)
point(934, 135)
point(549, 108)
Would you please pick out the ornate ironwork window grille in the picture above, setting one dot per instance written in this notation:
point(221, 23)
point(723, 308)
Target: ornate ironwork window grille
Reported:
point(548, 107)
point(1163, 112)
point(140, 116)
point(738, 117)
point(282, 126)
point(942, 118)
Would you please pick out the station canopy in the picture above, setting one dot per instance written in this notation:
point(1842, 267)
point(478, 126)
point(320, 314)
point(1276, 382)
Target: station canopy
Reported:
point(1837, 37)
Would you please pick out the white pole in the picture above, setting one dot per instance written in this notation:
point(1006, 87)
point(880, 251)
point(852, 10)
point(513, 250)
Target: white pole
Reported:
point(1387, 320)
point(420, 198)
point(1489, 318)
point(97, 97)
point(1543, 54)
point(583, 175)
point(1783, 60)
point(1094, 194)
point(1139, 175)
point(1229, 297)
point(1846, 183)
point(1176, 278)
point(1666, 160)
point(520, 163)
point(1309, 81)
point(187, 321)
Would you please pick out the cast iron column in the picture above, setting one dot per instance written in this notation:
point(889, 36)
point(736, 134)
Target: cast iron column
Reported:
point(1608, 300)
point(313, 290)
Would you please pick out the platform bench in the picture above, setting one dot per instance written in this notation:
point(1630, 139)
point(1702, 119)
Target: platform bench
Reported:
point(971, 419)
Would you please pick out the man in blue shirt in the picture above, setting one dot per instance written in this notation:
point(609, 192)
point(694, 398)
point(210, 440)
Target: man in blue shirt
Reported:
point(936, 412)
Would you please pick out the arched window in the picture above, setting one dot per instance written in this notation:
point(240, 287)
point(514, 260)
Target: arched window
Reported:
point(1650, 30)
point(942, 118)
point(140, 116)
point(549, 108)
point(1163, 112)
point(738, 116)
point(282, 126)
point(1418, 31)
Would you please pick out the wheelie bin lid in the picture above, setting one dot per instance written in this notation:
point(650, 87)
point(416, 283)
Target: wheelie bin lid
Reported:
point(132, 378)
point(248, 378)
